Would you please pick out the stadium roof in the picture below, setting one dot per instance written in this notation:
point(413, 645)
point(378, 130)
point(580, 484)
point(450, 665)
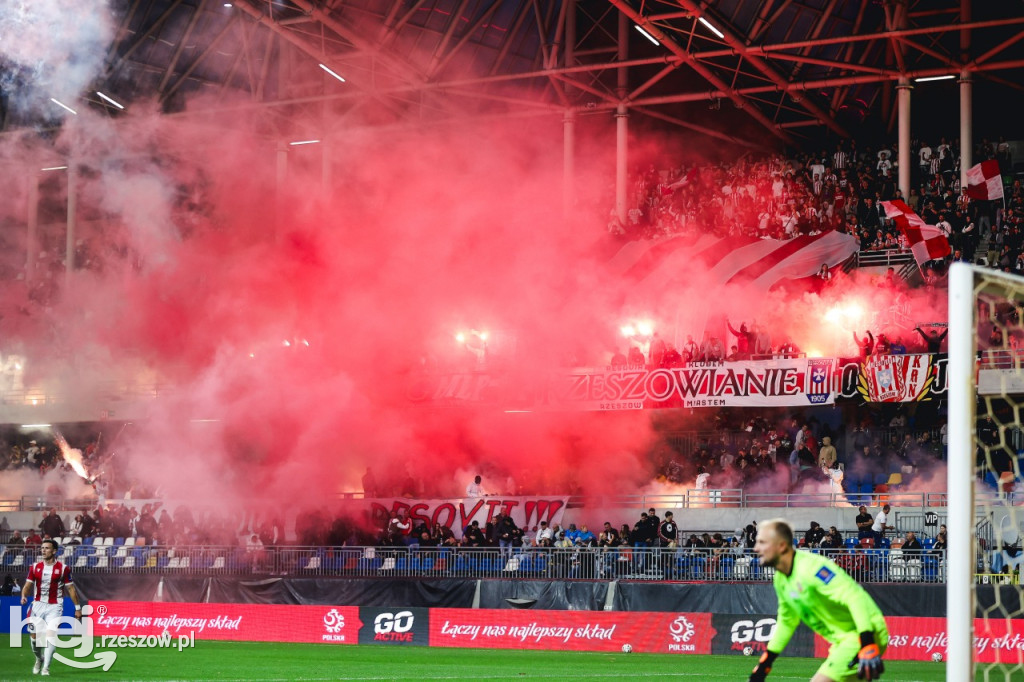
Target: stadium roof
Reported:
point(756, 72)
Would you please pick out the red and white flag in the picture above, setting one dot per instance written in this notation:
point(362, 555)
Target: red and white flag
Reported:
point(984, 181)
point(926, 241)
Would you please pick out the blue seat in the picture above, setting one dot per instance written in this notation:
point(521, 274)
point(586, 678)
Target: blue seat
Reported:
point(928, 543)
point(118, 541)
point(88, 540)
point(851, 543)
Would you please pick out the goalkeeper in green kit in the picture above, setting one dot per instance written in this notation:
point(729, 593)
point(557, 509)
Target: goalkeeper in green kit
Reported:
point(813, 589)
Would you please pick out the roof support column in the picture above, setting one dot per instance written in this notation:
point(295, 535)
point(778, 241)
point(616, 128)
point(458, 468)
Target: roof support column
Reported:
point(903, 90)
point(966, 112)
point(622, 125)
point(966, 125)
point(569, 120)
point(69, 244)
point(31, 243)
point(281, 180)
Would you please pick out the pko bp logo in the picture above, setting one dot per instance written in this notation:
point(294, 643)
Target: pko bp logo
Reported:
point(393, 627)
point(682, 631)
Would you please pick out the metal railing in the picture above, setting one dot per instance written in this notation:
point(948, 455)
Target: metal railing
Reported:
point(731, 564)
point(690, 499)
point(884, 258)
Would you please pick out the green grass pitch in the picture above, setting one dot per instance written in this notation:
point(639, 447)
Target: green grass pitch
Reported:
point(285, 662)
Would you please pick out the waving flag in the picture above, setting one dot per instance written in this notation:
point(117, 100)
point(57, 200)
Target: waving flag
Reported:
point(927, 242)
point(984, 181)
point(657, 265)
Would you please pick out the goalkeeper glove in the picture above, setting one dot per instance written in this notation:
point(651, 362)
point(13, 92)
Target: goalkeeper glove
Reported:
point(869, 658)
point(763, 667)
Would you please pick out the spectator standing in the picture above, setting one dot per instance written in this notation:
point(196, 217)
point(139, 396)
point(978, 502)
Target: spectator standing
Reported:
point(476, 488)
point(827, 456)
point(881, 523)
point(864, 523)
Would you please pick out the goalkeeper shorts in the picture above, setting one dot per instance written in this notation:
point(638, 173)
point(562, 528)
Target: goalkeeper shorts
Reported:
point(837, 665)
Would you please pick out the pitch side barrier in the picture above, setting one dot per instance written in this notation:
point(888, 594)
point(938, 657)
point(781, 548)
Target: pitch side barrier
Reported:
point(718, 498)
point(740, 631)
point(866, 564)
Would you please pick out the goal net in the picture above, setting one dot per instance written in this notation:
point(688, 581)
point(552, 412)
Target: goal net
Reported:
point(985, 611)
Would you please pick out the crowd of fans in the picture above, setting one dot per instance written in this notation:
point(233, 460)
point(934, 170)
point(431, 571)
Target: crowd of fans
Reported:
point(841, 189)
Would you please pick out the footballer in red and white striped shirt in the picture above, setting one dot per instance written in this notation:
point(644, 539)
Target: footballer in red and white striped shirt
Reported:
point(49, 579)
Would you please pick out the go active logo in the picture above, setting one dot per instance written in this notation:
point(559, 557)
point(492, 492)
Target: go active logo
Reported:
point(394, 626)
point(755, 634)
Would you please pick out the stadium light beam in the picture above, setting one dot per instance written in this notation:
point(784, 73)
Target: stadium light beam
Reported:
point(645, 34)
point(926, 79)
point(711, 27)
point(107, 98)
point(63, 106)
point(54, 168)
point(35, 426)
point(298, 142)
point(328, 70)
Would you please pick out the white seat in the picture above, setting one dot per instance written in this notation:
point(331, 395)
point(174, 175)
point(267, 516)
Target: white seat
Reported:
point(82, 561)
point(129, 562)
point(389, 564)
point(512, 564)
point(897, 565)
point(121, 552)
point(185, 562)
point(313, 564)
point(218, 562)
point(175, 562)
point(107, 542)
point(103, 562)
point(18, 560)
point(129, 542)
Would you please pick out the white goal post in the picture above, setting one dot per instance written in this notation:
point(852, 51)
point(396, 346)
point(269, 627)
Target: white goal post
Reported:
point(962, 394)
point(1000, 295)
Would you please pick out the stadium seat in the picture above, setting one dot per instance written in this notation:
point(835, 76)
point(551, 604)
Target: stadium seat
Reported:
point(82, 561)
point(88, 540)
point(19, 560)
point(118, 541)
point(102, 562)
point(388, 565)
point(107, 542)
point(850, 543)
point(129, 542)
point(312, 564)
point(218, 563)
point(129, 562)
